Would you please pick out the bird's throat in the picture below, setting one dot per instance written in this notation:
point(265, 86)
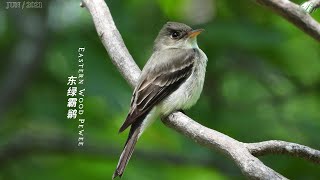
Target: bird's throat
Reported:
point(192, 43)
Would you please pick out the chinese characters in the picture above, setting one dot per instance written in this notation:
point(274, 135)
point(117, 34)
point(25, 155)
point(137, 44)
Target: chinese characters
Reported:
point(75, 94)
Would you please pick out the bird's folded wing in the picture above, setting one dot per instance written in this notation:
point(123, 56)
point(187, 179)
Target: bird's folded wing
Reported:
point(174, 68)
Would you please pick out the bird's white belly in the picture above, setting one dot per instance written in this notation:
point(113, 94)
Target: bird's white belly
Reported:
point(189, 91)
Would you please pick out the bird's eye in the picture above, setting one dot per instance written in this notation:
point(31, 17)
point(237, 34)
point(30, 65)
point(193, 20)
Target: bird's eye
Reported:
point(175, 34)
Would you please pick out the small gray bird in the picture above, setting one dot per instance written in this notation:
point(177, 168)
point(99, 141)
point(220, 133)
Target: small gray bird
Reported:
point(171, 80)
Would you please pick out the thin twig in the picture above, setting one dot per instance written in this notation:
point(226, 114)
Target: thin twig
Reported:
point(282, 147)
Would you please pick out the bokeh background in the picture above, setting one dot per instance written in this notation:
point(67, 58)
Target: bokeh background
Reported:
point(262, 83)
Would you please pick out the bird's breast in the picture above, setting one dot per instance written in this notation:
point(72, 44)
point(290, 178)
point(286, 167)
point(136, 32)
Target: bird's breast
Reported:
point(189, 91)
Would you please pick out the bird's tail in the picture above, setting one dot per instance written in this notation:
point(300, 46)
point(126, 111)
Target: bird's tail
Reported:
point(128, 149)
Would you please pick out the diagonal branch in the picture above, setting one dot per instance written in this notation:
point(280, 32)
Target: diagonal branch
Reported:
point(113, 42)
point(249, 165)
point(294, 14)
point(241, 153)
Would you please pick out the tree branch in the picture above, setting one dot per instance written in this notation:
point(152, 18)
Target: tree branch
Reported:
point(249, 165)
point(239, 152)
point(282, 147)
point(112, 41)
point(294, 14)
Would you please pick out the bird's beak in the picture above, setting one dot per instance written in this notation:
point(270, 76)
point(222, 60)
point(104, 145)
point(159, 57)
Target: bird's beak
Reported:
point(194, 33)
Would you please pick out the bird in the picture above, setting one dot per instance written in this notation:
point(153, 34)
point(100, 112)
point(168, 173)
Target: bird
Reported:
point(171, 80)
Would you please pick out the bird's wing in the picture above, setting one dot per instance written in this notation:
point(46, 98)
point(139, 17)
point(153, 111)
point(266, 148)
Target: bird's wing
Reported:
point(173, 68)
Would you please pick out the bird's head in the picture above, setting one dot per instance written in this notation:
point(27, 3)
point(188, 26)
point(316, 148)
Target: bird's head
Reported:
point(176, 35)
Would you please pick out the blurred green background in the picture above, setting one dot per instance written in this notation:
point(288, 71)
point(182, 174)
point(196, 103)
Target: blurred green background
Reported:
point(262, 83)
